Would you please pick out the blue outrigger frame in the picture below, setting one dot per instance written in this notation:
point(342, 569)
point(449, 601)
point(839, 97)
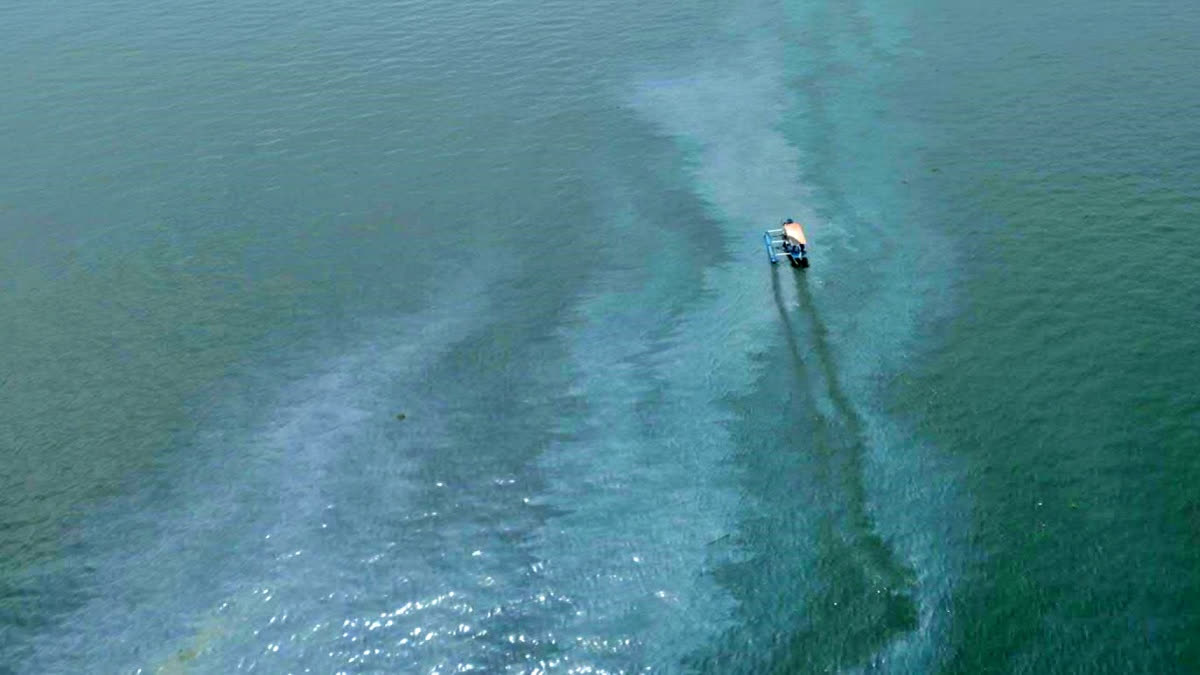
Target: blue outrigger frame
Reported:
point(770, 247)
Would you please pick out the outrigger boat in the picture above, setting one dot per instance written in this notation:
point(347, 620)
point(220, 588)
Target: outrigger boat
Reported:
point(789, 241)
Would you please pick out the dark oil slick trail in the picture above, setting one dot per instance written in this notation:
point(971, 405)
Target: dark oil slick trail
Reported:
point(888, 581)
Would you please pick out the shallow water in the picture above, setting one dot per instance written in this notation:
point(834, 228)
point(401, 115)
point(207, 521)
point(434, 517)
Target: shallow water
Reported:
point(431, 337)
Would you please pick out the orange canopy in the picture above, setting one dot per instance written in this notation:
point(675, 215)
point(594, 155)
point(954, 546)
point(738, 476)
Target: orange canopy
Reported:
point(795, 233)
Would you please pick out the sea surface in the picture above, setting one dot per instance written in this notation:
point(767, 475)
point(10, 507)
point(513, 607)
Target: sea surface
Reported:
point(431, 336)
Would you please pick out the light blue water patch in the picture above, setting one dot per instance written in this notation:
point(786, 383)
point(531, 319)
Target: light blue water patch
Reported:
point(896, 274)
point(239, 551)
point(897, 271)
point(765, 149)
point(644, 482)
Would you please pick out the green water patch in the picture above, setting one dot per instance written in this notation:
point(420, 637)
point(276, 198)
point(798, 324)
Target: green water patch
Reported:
point(1066, 382)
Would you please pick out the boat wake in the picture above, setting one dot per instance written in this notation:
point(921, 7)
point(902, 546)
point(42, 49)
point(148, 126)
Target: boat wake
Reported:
point(844, 545)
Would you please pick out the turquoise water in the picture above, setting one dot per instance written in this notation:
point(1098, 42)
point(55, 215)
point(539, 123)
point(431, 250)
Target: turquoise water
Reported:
point(239, 240)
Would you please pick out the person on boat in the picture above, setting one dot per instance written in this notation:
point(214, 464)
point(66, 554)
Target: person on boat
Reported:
point(787, 245)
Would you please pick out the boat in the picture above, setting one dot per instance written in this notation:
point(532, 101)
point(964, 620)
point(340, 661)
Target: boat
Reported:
point(787, 241)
